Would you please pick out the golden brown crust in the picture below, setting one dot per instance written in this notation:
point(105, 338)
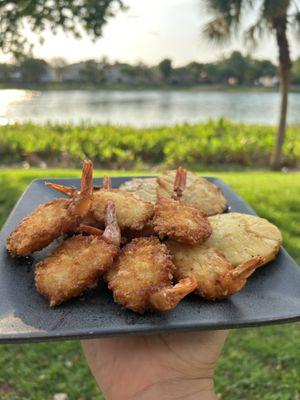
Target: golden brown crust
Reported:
point(198, 193)
point(132, 213)
point(73, 267)
point(215, 276)
point(241, 236)
point(51, 220)
point(143, 267)
point(46, 223)
point(147, 231)
point(180, 222)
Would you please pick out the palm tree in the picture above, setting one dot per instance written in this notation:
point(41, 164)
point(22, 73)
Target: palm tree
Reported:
point(273, 17)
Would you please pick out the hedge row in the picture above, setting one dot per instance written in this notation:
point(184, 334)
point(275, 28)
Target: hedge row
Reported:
point(213, 142)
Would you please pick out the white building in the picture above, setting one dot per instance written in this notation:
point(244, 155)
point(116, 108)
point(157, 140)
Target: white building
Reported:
point(72, 73)
point(268, 81)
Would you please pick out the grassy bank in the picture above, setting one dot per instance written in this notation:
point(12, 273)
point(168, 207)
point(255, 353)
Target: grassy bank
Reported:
point(213, 142)
point(257, 364)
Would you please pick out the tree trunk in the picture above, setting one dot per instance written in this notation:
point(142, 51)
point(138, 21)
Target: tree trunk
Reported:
point(285, 65)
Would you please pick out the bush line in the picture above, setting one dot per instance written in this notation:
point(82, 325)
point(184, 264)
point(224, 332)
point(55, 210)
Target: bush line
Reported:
point(110, 146)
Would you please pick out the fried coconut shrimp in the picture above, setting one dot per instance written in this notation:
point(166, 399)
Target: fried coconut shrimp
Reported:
point(143, 188)
point(241, 236)
point(199, 193)
point(178, 221)
point(132, 213)
point(216, 277)
point(78, 263)
point(51, 220)
point(141, 278)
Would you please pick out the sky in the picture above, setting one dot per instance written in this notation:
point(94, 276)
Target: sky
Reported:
point(148, 32)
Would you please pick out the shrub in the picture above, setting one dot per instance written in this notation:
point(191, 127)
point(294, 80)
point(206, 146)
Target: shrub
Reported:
point(213, 142)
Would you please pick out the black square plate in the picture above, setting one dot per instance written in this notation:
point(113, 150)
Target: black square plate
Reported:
point(272, 294)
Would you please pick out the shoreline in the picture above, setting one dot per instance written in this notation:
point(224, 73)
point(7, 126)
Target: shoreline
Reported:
point(122, 87)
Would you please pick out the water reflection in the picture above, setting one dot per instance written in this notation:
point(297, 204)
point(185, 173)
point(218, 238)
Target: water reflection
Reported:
point(141, 108)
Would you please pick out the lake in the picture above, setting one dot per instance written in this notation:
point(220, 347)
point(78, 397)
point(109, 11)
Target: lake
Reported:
point(142, 108)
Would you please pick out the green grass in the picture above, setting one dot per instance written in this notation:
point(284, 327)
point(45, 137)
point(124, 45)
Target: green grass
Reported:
point(114, 147)
point(261, 364)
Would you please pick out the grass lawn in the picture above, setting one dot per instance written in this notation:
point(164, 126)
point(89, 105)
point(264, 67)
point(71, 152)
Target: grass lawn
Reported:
point(256, 363)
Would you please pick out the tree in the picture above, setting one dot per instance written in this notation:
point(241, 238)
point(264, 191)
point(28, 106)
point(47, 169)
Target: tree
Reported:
point(274, 17)
point(165, 68)
point(32, 69)
point(92, 72)
point(238, 66)
point(58, 63)
point(5, 69)
point(195, 69)
point(73, 16)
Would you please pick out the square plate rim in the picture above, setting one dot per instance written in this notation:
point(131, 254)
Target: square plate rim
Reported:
point(85, 333)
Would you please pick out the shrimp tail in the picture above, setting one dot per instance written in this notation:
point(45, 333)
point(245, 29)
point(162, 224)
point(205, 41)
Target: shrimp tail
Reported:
point(67, 190)
point(90, 230)
point(179, 183)
point(106, 183)
point(83, 200)
point(112, 233)
point(168, 297)
point(244, 270)
point(87, 186)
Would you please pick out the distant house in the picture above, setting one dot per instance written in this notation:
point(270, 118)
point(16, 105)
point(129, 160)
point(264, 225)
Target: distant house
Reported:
point(15, 75)
point(232, 80)
point(72, 72)
point(50, 75)
point(181, 76)
point(155, 75)
point(268, 81)
point(131, 74)
point(117, 73)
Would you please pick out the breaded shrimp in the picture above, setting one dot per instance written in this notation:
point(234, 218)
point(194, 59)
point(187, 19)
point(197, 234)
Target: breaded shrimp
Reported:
point(148, 230)
point(51, 220)
point(179, 221)
point(141, 278)
point(216, 277)
point(132, 212)
point(78, 263)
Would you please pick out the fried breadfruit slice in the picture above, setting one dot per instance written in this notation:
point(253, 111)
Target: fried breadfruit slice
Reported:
point(180, 222)
point(143, 188)
point(132, 213)
point(73, 267)
point(216, 277)
point(198, 193)
point(141, 277)
point(241, 236)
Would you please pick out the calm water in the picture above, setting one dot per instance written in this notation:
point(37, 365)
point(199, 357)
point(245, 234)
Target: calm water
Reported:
point(141, 108)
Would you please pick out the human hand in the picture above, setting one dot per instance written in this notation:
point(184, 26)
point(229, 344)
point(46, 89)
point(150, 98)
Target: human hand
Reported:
point(163, 366)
